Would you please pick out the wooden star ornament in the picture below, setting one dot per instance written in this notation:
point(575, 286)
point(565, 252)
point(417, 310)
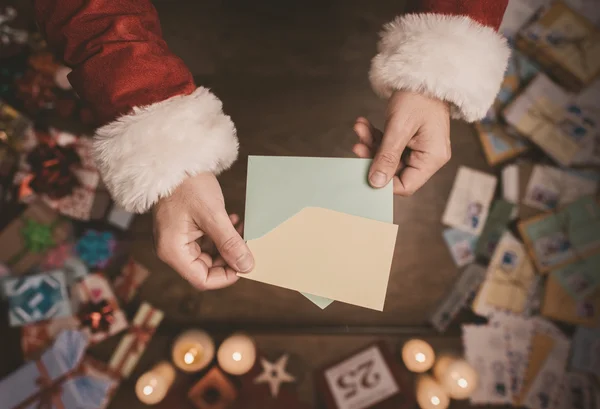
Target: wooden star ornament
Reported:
point(274, 374)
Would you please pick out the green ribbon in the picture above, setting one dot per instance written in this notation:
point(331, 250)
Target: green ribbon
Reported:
point(38, 238)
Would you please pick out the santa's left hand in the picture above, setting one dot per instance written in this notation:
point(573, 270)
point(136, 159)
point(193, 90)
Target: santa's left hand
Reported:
point(415, 144)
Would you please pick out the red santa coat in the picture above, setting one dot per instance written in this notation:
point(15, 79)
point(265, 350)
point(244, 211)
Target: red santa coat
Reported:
point(143, 94)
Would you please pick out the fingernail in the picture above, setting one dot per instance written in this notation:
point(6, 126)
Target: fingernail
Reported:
point(378, 179)
point(244, 263)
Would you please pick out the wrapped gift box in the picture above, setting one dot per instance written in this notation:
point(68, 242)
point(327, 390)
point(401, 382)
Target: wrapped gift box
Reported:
point(96, 248)
point(76, 196)
point(36, 298)
point(565, 44)
point(15, 128)
point(134, 343)
point(131, 278)
point(97, 308)
point(60, 379)
point(37, 337)
point(26, 239)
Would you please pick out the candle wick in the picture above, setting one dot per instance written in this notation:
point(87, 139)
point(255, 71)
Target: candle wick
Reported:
point(148, 390)
point(435, 400)
point(420, 357)
point(237, 356)
point(462, 382)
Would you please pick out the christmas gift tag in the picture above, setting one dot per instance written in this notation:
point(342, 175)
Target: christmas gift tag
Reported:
point(97, 308)
point(131, 278)
point(581, 278)
point(36, 298)
point(510, 278)
point(586, 351)
point(133, 344)
point(557, 239)
point(550, 188)
point(461, 246)
point(461, 292)
point(469, 201)
point(370, 378)
point(486, 350)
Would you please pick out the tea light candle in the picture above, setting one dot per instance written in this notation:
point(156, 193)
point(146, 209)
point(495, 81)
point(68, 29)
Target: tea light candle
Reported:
point(237, 354)
point(418, 356)
point(193, 351)
point(430, 394)
point(457, 377)
point(152, 387)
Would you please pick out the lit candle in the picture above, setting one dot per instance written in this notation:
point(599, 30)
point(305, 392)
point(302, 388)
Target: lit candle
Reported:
point(237, 354)
point(152, 387)
point(430, 394)
point(193, 351)
point(418, 356)
point(457, 377)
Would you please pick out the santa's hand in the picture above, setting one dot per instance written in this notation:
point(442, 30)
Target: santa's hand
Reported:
point(196, 210)
point(416, 122)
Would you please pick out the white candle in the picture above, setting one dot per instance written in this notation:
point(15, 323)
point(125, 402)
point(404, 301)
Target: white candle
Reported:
point(152, 387)
point(193, 351)
point(457, 377)
point(417, 355)
point(237, 354)
point(430, 394)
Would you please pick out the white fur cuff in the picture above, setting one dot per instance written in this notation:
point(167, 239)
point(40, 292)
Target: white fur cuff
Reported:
point(452, 58)
point(143, 156)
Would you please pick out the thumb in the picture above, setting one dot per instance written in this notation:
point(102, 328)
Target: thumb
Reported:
point(230, 244)
point(387, 159)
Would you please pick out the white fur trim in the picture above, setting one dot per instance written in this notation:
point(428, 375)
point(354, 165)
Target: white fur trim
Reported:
point(143, 156)
point(452, 58)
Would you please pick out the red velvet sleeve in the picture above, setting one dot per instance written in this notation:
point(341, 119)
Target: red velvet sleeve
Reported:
point(117, 53)
point(486, 12)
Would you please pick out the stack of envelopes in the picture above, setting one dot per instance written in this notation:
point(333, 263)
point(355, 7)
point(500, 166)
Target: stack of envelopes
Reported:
point(313, 223)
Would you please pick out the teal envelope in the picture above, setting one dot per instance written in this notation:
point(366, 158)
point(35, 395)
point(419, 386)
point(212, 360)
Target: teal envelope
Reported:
point(278, 187)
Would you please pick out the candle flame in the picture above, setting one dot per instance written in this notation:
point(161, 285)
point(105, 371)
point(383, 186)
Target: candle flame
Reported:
point(420, 357)
point(190, 356)
point(462, 382)
point(435, 400)
point(237, 356)
point(148, 390)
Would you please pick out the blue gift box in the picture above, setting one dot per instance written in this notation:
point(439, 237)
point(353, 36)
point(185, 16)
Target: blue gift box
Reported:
point(37, 297)
point(57, 380)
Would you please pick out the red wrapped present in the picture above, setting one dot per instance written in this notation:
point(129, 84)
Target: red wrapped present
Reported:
point(131, 278)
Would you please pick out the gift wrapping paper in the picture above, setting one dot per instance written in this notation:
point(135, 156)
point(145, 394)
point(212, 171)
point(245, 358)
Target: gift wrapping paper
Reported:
point(133, 274)
point(36, 298)
point(97, 308)
point(27, 238)
point(38, 336)
point(134, 343)
point(60, 379)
